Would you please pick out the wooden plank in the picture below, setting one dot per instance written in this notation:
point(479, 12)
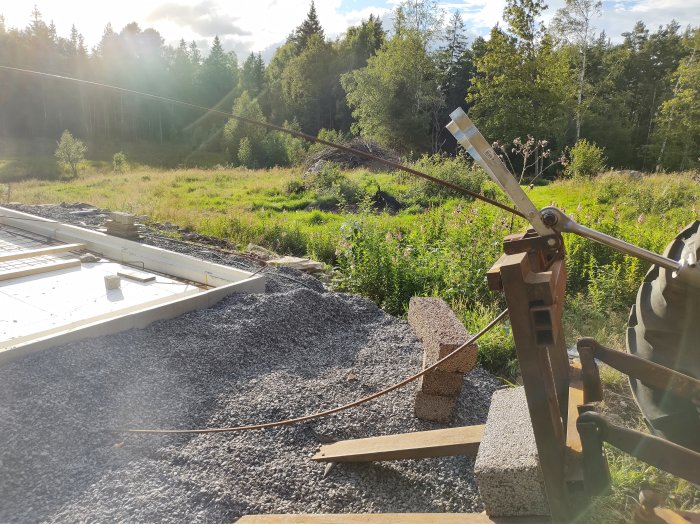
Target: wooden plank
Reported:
point(574, 450)
point(36, 270)
point(676, 517)
point(137, 276)
point(422, 444)
point(387, 518)
point(31, 253)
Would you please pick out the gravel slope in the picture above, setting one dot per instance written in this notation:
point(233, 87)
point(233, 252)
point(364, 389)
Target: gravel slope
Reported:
point(251, 358)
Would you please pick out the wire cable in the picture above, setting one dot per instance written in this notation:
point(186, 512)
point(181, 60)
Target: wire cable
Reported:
point(298, 134)
point(338, 409)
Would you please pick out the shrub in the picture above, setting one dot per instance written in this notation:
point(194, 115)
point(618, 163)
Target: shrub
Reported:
point(70, 152)
point(294, 187)
point(442, 253)
point(246, 156)
point(330, 135)
point(609, 290)
point(294, 148)
point(586, 160)
point(457, 170)
point(119, 164)
point(324, 178)
point(496, 348)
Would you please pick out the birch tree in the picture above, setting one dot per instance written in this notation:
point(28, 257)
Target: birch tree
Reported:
point(574, 22)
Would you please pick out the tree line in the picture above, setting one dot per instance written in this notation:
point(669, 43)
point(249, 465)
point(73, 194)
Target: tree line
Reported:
point(548, 85)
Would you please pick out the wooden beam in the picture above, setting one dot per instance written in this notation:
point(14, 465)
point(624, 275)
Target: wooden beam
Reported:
point(35, 270)
point(676, 517)
point(574, 472)
point(31, 253)
point(388, 518)
point(422, 444)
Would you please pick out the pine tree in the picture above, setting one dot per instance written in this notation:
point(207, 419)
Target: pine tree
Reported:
point(456, 66)
point(309, 27)
point(219, 75)
point(252, 76)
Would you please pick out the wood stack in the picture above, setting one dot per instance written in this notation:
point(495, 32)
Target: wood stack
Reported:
point(440, 333)
point(122, 225)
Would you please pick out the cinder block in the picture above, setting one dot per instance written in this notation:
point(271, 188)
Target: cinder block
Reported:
point(441, 383)
point(441, 332)
point(117, 226)
point(507, 467)
point(123, 218)
point(434, 407)
point(112, 282)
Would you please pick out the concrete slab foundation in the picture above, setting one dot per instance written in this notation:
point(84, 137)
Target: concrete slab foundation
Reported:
point(54, 293)
point(507, 469)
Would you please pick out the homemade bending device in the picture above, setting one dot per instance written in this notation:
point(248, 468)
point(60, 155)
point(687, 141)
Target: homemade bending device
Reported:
point(663, 343)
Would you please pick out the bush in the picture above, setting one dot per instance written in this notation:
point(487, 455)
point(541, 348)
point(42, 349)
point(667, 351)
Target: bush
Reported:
point(119, 164)
point(294, 187)
point(294, 148)
point(496, 348)
point(330, 135)
point(324, 178)
point(458, 170)
point(441, 253)
point(333, 188)
point(246, 156)
point(586, 160)
point(70, 152)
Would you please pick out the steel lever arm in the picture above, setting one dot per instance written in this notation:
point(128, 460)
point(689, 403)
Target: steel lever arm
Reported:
point(562, 223)
point(550, 219)
point(469, 137)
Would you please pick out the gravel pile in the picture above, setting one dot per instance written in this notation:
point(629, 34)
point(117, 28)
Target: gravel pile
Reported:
point(251, 358)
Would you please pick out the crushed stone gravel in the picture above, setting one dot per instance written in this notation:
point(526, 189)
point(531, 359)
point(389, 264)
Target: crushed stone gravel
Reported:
point(251, 358)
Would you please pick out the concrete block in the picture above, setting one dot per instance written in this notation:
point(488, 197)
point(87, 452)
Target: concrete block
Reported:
point(128, 231)
point(123, 218)
point(112, 282)
point(507, 468)
point(440, 332)
point(441, 383)
point(434, 407)
point(118, 226)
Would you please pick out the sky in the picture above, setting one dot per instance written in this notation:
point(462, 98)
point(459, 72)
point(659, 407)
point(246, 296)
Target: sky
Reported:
point(261, 25)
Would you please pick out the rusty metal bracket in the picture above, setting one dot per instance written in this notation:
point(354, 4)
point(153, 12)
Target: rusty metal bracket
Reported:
point(650, 373)
point(596, 473)
point(663, 454)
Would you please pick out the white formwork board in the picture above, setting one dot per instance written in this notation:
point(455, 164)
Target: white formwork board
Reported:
point(44, 310)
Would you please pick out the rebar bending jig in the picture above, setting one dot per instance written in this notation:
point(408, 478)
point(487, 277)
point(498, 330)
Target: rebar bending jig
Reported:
point(532, 274)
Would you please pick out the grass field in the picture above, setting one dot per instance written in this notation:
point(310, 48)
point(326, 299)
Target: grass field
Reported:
point(437, 244)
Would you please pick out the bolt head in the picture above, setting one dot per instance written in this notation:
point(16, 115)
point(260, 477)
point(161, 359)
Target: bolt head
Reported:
point(549, 218)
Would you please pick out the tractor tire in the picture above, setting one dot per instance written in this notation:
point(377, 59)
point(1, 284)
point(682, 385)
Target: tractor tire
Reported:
point(664, 327)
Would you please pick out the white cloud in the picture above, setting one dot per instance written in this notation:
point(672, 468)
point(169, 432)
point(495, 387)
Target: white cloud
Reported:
point(259, 24)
